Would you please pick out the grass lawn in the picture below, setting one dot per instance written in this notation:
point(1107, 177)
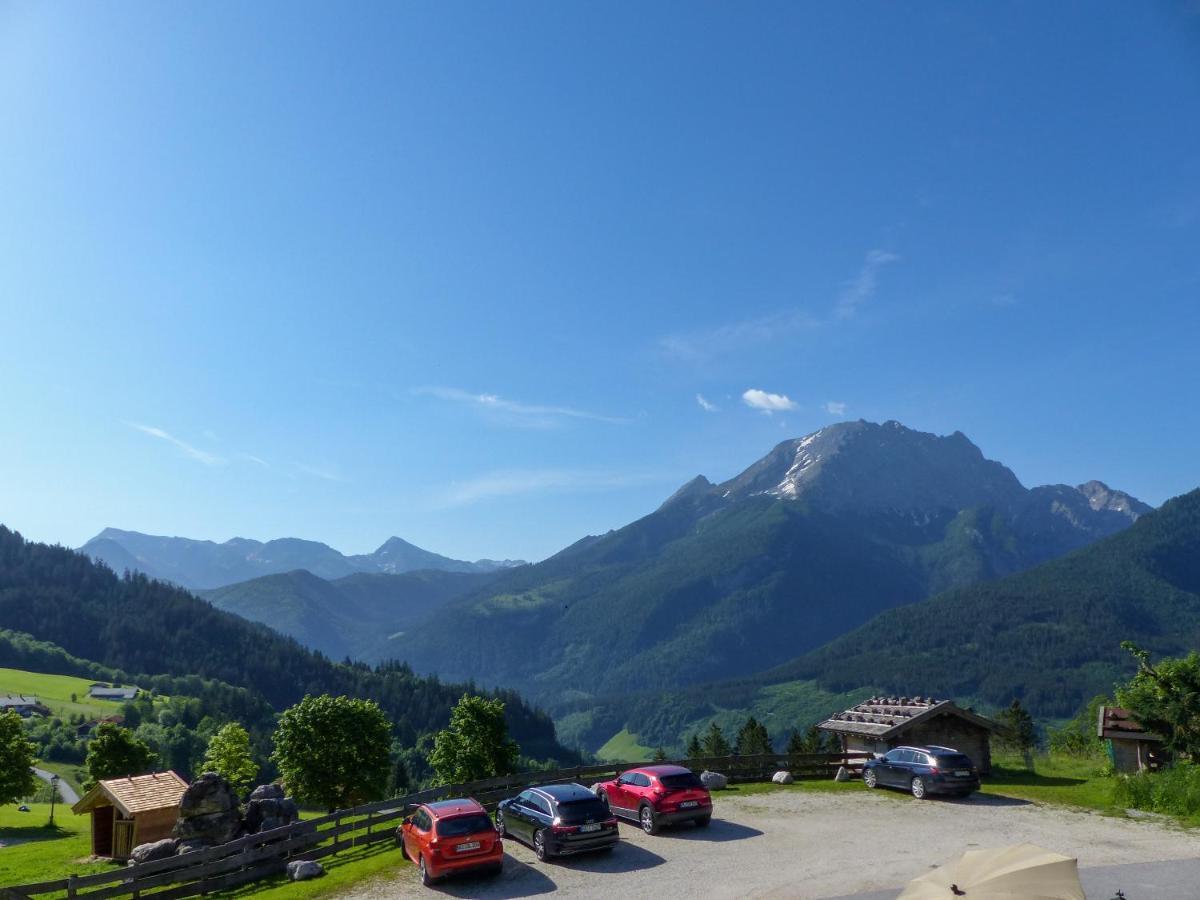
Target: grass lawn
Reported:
point(1059, 779)
point(33, 851)
point(65, 771)
point(624, 747)
point(55, 692)
point(341, 871)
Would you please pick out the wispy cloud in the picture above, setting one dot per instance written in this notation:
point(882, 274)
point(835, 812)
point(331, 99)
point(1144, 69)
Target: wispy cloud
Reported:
point(257, 460)
point(513, 412)
point(325, 473)
point(862, 287)
point(704, 344)
point(534, 481)
point(700, 345)
point(705, 405)
point(201, 456)
point(766, 402)
point(835, 408)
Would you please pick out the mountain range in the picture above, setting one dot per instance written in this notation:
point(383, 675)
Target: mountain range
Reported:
point(727, 580)
point(205, 565)
point(1050, 637)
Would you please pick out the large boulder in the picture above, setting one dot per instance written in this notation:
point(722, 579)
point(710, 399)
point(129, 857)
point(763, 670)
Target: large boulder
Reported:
point(267, 792)
point(782, 778)
point(714, 781)
point(304, 869)
point(268, 812)
point(152, 851)
point(208, 812)
point(843, 774)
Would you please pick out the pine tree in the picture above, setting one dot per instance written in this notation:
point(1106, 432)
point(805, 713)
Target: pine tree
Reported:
point(753, 739)
point(660, 755)
point(1018, 731)
point(694, 749)
point(714, 742)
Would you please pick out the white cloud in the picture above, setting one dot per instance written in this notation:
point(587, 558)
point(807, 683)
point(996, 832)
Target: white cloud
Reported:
point(767, 402)
point(705, 405)
point(534, 481)
point(202, 456)
point(835, 408)
point(863, 285)
point(513, 412)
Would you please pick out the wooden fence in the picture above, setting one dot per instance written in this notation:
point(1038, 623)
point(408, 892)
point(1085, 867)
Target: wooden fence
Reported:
point(267, 853)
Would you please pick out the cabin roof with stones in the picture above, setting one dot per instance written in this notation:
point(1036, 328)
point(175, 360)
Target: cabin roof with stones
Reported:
point(885, 717)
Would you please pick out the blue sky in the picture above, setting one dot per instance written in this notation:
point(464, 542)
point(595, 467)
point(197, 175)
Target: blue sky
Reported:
point(494, 276)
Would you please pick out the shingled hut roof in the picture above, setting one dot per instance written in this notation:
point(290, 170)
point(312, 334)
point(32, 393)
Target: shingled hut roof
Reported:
point(135, 794)
point(884, 717)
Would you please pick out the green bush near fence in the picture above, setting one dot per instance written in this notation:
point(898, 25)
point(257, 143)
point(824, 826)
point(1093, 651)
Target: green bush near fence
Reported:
point(1174, 791)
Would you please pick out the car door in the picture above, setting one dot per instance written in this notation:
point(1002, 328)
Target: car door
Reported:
point(417, 835)
point(620, 795)
point(639, 790)
point(541, 814)
point(522, 819)
point(890, 770)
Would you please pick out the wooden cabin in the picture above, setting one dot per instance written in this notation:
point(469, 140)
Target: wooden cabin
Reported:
point(1130, 746)
point(131, 811)
point(881, 723)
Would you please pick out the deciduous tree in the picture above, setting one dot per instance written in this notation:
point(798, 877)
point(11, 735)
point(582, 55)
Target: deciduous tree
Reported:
point(228, 755)
point(114, 752)
point(476, 745)
point(333, 751)
point(1165, 699)
point(17, 757)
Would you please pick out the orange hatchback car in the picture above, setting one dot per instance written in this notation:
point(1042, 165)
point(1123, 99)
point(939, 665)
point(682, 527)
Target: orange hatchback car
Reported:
point(449, 837)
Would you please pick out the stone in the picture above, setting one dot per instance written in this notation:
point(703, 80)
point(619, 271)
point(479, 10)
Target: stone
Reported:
point(187, 846)
point(714, 781)
point(843, 774)
point(152, 851)
point(215, 828)
point(782, 778)
point(267, 792)
point(207, 795)
point(268, 812)
point(304, 869)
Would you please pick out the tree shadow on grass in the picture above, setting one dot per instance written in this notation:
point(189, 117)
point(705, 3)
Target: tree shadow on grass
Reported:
point(35, 831)
point(1024, 778)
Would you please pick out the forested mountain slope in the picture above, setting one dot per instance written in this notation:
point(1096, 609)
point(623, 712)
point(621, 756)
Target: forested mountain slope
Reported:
point(143, 626)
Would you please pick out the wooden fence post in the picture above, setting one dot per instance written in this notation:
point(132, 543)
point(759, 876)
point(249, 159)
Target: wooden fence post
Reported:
point(71, 889)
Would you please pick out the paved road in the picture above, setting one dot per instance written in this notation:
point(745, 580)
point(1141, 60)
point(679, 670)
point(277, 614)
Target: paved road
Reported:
point(69, 797)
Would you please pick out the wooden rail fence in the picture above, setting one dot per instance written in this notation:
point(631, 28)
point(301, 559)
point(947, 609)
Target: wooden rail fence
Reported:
point(267, 853)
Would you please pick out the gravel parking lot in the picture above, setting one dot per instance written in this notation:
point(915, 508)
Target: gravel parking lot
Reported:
point(812, 844)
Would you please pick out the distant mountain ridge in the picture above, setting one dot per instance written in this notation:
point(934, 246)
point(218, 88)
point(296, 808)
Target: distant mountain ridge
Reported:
point(730, 579)
point(206, 565)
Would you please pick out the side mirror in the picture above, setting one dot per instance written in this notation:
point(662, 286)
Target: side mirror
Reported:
point(407, 820)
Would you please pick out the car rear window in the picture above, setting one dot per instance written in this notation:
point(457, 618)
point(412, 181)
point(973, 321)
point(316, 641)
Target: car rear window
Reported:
point(953, 760)
point(679, 782)
point(574, 812)
point(460, 825)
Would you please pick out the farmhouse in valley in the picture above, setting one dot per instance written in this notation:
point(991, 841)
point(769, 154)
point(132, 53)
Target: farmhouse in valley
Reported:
point(24, 705)
point(881, 723)
point(131, 811)
point(104, 692)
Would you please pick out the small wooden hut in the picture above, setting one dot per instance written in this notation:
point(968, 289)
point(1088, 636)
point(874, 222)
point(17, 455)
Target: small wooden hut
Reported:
point(1130, 746)
point(881, 723)
point(131, 811)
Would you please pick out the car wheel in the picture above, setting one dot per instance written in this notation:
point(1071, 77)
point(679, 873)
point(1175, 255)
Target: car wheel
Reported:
point(703, 821)
point(870, 779)
point(647, 818)
point(539, 844)
point(500, 826)
point(423, 871)
point(918, 788)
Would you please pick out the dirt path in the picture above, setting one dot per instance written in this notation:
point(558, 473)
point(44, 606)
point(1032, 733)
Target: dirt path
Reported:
point(807, 844)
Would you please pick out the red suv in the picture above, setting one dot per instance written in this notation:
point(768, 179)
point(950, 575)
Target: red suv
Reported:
point(450, 836)
point(657, 796)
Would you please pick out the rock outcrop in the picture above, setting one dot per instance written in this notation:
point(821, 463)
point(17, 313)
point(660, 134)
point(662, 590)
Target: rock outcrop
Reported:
point(209, 813)
point(154, 850)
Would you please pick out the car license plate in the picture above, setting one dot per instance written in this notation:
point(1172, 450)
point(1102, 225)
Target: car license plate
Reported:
point(962, 773)
point(688, 804)
point(470, 845)
point(589, 827)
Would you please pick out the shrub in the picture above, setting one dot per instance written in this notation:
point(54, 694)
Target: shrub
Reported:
point(1175, 791)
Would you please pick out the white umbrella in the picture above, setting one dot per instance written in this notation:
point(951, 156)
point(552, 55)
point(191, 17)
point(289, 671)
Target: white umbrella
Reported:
point(1021, 872)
